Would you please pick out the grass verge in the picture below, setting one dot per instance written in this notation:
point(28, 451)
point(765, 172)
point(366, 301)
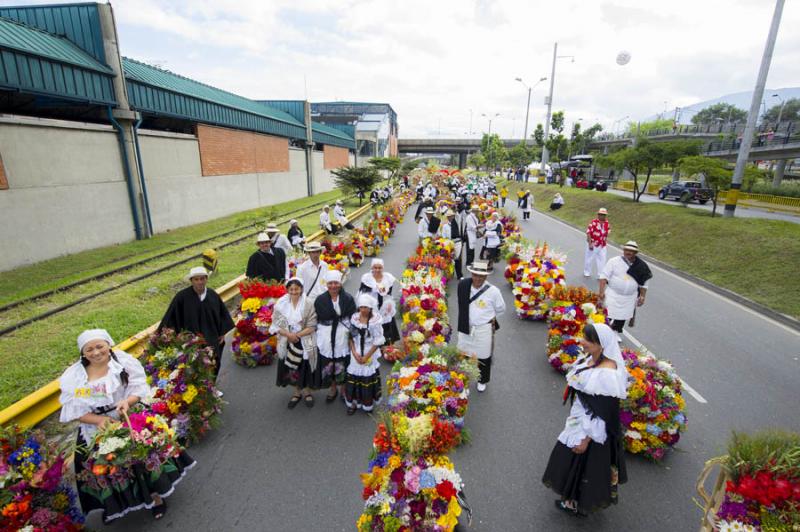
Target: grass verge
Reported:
point(750, 256)
point(34, 355)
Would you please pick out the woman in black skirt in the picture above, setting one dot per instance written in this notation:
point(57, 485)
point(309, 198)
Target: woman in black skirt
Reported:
point(362, 385)
point(378, 284)
point(96, 390)
point(588, 462)
point(295, 322)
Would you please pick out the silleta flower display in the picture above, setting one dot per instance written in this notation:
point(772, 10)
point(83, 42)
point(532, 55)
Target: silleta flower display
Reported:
point(569, 309)
point(533, 271)
point(252, 344)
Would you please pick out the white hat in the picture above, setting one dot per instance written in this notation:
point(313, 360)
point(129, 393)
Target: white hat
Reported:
point(602, 210)
point(376, 261)
point(312, 246)
point(93, 334)
point(430, 210)
point(292, 221)
point(631, 245)
point(197, 271)
point(263, 237)
point(293, 279)
point(449, 213)
point(475, 207)
point(327, 207)
point(480, 267)
point(338, 202)
point(366, 300)
point(333, 276)
point(272, 228)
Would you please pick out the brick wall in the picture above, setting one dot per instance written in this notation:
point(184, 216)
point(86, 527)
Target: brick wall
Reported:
point(3, 179)
point(392, 146)
point(230, 152)
point(335, 157)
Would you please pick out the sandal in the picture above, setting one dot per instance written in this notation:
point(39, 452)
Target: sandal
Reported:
point(561, 505)
point(309, 401)
point(294, 400)
point(332, 397)
point(160, 510)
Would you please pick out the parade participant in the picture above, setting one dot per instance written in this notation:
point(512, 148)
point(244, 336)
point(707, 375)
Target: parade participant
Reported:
point(526, 204)
point(374, 197)
point(420, 188)
point(472, 227)
point(313, 272)
point(479, 305)
point(424, 225)
point(339, 214)
point(623, 285)
point(378, 284)
point(557, 203)
point(362, 387)
point(494, 239)
point(503, 195)
point(596, 243)
point(588, 461)
point(334, 309)
point(199, 310)
point(296, 237)
point(294, 321)
point(278, 240)
point(424, 204)
point(268, 263)
point(325, 220)
point(102, 386)
point(450, 229)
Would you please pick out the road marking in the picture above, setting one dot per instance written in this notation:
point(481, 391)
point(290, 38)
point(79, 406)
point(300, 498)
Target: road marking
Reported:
point(695, 285)
point(694, 393)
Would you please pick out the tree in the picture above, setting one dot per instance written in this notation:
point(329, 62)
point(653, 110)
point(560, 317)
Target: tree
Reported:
point(557, 121)
point(791, 112)
point(390, 164)
point(477, 160)
point(493, 150)
point(408, 166)
point(674, 150)
point(538, 135)
point(354, 180)
point(520, 155)
point(719, 112)
point(715, 171)
point(643, 128)
point(645, 157)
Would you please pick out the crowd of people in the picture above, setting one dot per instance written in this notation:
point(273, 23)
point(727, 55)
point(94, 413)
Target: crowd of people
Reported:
point(331, 340)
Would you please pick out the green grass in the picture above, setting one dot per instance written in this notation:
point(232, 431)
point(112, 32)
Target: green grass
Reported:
point(34, 355)
point(752, 257)
point(54, 273)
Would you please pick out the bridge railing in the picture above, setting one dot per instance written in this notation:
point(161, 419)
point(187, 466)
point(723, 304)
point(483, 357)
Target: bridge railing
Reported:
point(722, 129)
point(763, 139)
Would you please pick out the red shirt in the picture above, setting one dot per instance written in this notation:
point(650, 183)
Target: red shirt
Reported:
point(598, 232)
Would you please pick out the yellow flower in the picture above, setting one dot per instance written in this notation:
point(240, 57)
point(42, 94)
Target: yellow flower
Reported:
point(251, 304)
point(449, 520)
point(394, 462)
point(364, 522)
point(245, 347)
point(189, 394)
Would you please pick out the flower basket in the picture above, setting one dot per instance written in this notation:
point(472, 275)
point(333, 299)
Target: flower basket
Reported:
point(711, 502)
point(252, 344)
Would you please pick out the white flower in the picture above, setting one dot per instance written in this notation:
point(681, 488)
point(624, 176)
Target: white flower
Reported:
point(442, 473)
point(735, 526)
point(634, 435)
point(109, 445)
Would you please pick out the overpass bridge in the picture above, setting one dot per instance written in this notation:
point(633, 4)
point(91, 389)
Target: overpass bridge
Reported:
point(461, 147)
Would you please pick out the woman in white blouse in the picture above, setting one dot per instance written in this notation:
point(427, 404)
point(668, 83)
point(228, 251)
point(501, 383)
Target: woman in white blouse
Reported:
point(362, 387)
point(378, 283)
point(294, 321)
point(96, 390)
point(588, 460)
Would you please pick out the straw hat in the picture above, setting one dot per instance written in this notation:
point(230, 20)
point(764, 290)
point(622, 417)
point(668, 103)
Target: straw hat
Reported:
point(631, 245)
point(197, 271)
point(263, 237)
point(312, 247)
point(602, 210)
point(272, 228)
point(479, 267)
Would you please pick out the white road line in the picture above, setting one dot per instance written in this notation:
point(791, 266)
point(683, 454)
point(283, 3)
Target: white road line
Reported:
point(695, 285)
point(694, 393)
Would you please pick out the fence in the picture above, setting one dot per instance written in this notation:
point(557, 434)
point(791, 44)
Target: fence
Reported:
point(785, 201)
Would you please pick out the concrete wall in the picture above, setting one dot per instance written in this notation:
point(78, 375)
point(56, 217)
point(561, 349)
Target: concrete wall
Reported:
point(323, 179)
point(66, 190)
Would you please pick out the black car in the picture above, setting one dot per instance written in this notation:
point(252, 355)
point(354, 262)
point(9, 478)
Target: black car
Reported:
point(695, 189)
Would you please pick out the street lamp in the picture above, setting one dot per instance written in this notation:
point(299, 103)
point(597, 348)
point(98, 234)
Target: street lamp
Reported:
point(780, 113)
point(545, 152)
point(490, 118)
point(618, 121)
point(528, 106)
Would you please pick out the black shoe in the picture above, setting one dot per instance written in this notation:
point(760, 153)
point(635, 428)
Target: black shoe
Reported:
point(331, 397)
point(293, 401)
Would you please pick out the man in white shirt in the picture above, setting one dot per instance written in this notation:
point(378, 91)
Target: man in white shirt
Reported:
point(479, 305)
point(278, 240)
point(313, 272)
point(338, 212)
point(471, 227)
point(423, 227)
point(623, 286)
point(325, 220)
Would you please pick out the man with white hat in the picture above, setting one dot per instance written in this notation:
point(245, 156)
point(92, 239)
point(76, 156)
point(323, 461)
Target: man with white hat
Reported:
point(338, 212)
point(295, 235)
point(423, 227)
point(471, 227)
point(268, 263)
point(451, 230)
point(313, 271)
point(623, 286)
point(199, 310)
point(334, 309)
point(479, 305)
point(278, 240)
point(325, 220)
point(596, 243)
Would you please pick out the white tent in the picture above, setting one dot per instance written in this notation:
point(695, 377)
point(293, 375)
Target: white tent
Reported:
point(536, 165)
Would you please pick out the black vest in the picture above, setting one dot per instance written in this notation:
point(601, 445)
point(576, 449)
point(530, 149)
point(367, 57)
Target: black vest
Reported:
point(455, 231)
point(463, 304)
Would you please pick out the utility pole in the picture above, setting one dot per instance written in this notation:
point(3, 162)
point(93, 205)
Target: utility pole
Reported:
point(758, 94)
point(527, 112)
point(545, 151)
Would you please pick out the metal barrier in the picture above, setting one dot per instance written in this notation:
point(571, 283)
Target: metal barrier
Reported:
point(786, 201)
point(35, 407)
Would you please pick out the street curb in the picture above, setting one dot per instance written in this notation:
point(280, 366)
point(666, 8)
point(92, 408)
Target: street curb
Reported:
point(783, 319)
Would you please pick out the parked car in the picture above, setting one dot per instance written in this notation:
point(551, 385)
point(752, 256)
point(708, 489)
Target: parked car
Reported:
point(677, 189)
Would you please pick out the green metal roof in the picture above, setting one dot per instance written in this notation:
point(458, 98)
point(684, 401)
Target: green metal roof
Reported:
point(327, 135)
point(25, 39)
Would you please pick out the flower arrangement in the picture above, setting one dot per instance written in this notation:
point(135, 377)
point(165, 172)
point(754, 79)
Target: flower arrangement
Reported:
point(569, 309)
point(654, 414)
point(763, 492)
point(35, 491)
point(533, 272)
point(423, 308)
point(181, 370)
point(335, 255)
point(252, 343)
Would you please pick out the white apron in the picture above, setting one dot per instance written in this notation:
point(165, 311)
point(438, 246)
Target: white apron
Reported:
point(621, 295)
point(479, 343)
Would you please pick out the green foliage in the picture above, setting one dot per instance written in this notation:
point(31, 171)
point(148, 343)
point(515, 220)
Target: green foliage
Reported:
point(557, 121)
point(791, 189)
point(520, 155)
point(775, 450)
point(791, 111)
point(645, 157)
point(408, 166)
point(354, 180)
point(476, 160)
point(752, 175)
point(493, 150)
point(538, 135)
point(719, 112)
point(674, 150)
point(715, 171)
point(390, 164)
point(643, 128)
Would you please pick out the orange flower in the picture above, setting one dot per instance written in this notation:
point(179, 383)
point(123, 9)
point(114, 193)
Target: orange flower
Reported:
point(99, 469)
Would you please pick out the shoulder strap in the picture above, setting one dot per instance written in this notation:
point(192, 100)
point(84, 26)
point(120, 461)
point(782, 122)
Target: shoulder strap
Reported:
point(314, 283)
point(478, 293)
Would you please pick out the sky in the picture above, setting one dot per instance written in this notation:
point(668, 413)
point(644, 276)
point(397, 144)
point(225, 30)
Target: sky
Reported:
point(444, 64)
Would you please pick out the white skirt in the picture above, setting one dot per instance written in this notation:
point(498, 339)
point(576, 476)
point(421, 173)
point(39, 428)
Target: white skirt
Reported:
point(480, 343)
point(620, 307)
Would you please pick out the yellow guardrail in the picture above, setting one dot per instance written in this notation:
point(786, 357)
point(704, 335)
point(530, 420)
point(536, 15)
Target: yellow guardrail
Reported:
point(35, 407)
point(743, 196)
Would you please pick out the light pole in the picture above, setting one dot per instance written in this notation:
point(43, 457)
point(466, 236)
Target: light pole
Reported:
point(470, 121)
point(780, 112)
point(618, 121)
point(489, 140)
point(545, 152)
point(490, 118)
point(528, 106)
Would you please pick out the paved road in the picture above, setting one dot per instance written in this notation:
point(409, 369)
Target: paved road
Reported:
point(270, 468)
point(741, 211)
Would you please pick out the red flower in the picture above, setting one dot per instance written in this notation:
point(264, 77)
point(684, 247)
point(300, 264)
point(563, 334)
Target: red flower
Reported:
point(446, 490)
